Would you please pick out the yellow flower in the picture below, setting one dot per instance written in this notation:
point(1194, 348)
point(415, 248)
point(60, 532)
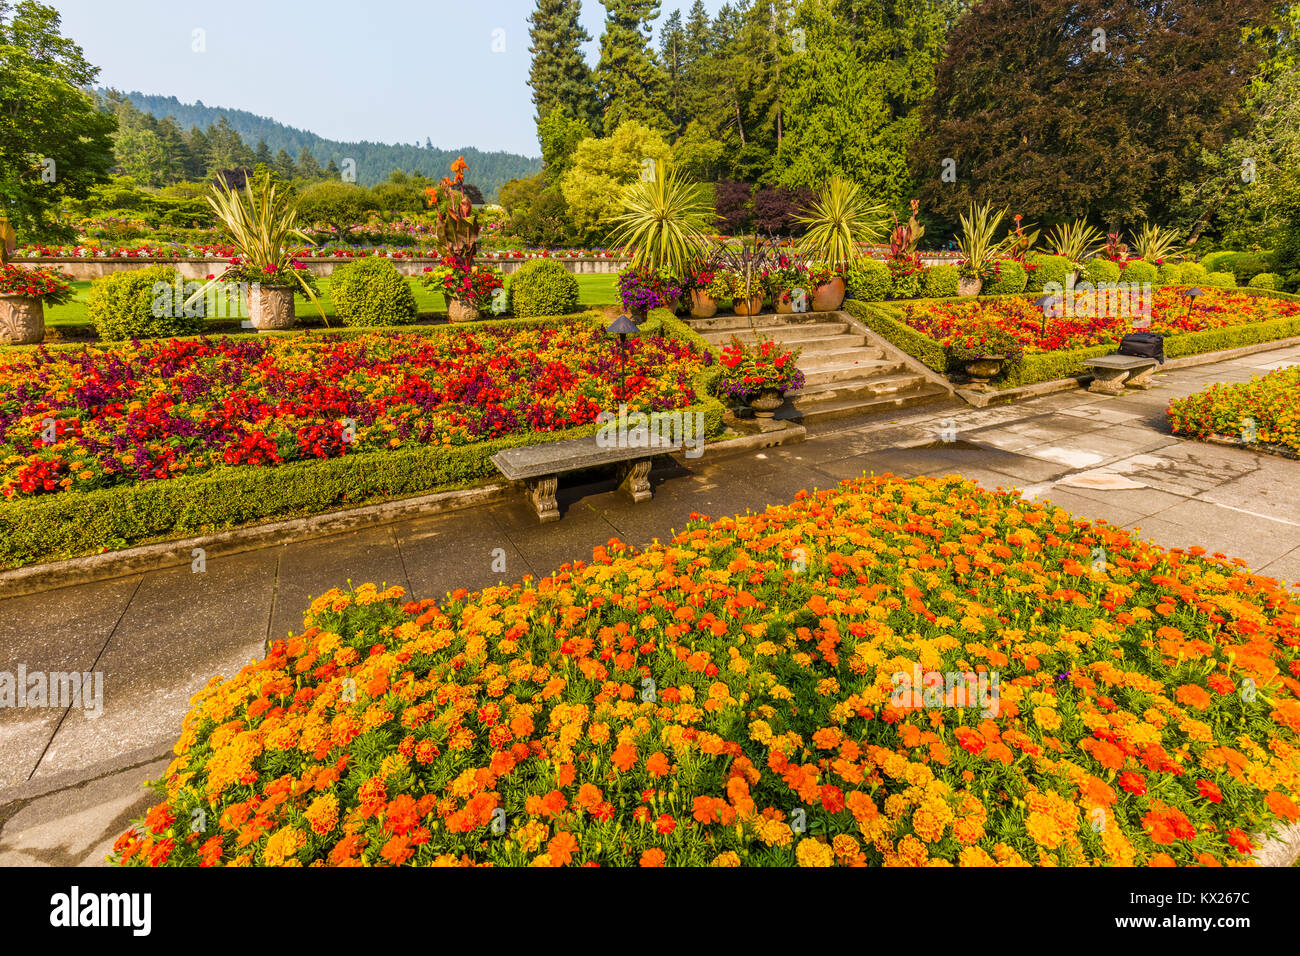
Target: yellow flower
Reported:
point(812, 852)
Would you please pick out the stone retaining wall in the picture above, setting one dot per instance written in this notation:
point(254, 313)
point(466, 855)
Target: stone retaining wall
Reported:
point(96, 268)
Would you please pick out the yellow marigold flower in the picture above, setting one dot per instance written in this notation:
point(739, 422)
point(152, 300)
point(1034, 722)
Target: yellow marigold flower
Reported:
point(729, 858)
point(774, 832)
point(974, 856)
point(1047, 718)
point(812, 852)
point(845, 847)
point(323, 814)
point(761, 732)
point(282, 845)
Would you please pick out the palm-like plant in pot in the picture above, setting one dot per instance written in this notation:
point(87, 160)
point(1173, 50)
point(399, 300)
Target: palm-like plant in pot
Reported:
point(663, 222)
point(262, 223)
point(977, 246)
point(744, 266)
point(838, 222)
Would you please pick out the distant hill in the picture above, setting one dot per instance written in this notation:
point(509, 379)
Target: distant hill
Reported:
point(488, 171)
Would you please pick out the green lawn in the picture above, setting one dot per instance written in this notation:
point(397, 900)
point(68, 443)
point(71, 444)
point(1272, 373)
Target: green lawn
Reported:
point(594, 290)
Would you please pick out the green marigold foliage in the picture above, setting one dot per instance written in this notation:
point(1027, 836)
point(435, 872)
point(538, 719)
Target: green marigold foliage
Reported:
point(1101, 270)
point(940, 282)
point(1266, 280)
point(371, 291)
point(144, 304)
point(542, 287)
point(868, 280)
point(1049, 269)
point(1011, 279)
point(1139, 271)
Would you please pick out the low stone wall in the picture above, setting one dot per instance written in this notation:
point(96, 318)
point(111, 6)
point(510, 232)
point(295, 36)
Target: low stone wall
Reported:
point(96, 268)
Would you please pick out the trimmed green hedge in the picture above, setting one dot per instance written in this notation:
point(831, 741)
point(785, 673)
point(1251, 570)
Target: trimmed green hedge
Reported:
point(371, 292)
point(940, 282)
point(1047, 269)
point(1011, 279)
point(144, 304)
point(542, 287)
point(1101, 270)
point(868, 280)
point(78, 523)
point(886, 322)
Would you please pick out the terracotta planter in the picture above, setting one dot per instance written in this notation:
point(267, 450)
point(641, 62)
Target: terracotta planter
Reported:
point(460, 311)
point(22, 320)
point(270, 307)
point(783, 303)
point(969, 286)
point(767, 402)
point(984, 368)
point(751, 306)
point(828, 297)
point(703, 306)
point(638, 315)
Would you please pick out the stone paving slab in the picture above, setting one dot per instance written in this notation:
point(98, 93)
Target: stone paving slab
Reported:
point(160, 636)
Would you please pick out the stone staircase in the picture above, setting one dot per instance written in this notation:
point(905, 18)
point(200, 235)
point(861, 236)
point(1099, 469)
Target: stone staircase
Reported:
point(845, 372)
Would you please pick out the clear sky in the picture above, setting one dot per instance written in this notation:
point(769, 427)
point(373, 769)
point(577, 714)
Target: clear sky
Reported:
point(452, 70)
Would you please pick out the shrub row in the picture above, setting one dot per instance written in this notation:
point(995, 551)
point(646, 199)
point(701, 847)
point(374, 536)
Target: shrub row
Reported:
point(78, 523)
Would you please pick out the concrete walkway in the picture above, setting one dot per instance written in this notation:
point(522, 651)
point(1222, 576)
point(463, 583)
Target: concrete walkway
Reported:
point(69, 784)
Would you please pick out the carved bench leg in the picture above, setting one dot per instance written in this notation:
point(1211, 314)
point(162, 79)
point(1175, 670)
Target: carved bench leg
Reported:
point(1108, 381)
point(542, 491)
point(1142, 378)
point(636, 479)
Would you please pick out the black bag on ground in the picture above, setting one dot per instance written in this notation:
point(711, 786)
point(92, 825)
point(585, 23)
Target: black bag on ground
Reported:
point(1144, 344)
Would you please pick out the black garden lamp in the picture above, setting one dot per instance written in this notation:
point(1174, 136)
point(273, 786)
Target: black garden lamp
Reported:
point(622, 327)
point(1191, 294)
point(1045, 303)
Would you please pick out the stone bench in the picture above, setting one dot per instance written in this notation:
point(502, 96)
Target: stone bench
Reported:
point(540, 466)
point(1112, 373)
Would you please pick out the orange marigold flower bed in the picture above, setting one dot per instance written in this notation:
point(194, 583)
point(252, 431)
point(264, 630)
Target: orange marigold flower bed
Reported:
point(732, 697)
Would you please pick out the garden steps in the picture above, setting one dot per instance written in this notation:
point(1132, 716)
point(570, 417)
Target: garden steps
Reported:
point(844, 374)
point(800, 336)
point(738, 323)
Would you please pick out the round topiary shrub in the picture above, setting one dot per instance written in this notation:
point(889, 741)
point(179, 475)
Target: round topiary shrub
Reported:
point(371, 291)
point(1169, 273)
point(144, 303)
point(1220, 261)
point(1246, 266)
point(1266, 280)
point(1101, 270)
point(1010, 279)
point(1220, 280)
point(1046, 269)
point(1190, 273)
point(1137, 270)
point(868, 280)
point(940, 282)
point(542, 287)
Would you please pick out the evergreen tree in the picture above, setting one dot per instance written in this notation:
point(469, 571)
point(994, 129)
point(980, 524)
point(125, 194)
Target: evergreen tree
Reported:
point(226, 148)
point(559, 75)
point(628, 81)
point(332, 169)
point(308, 168)
point(283, 165)
point(672, 54)
point(196, 166)
point(262, 154)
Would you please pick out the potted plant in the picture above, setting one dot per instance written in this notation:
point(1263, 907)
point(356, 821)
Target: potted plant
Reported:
point(984, 350)
point(760, 377)
point(642, 289)
point(707, 284)
point(744, 265)
point(456, 231)
point(469, 293)
point(260, 223)
point(977, 247)
point(838, 221)
point(789, 285)
point(23, 294)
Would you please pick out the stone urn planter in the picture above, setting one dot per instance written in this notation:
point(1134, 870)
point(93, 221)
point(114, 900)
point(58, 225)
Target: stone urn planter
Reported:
point(703, 306)
point(829, 296)
point(984, 368)
point(969, 286)
point(751, 306)
point(460, 311)
point(270, 307)
point(22, 320)
point(767, 402)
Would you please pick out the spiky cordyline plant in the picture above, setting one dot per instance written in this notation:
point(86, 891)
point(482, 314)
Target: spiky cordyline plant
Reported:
point(976, 243)
point(1153, 243)
point(1075, 241)
point(749, 260)
point(260, 223)
point(839, 220)
point(663, 222)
